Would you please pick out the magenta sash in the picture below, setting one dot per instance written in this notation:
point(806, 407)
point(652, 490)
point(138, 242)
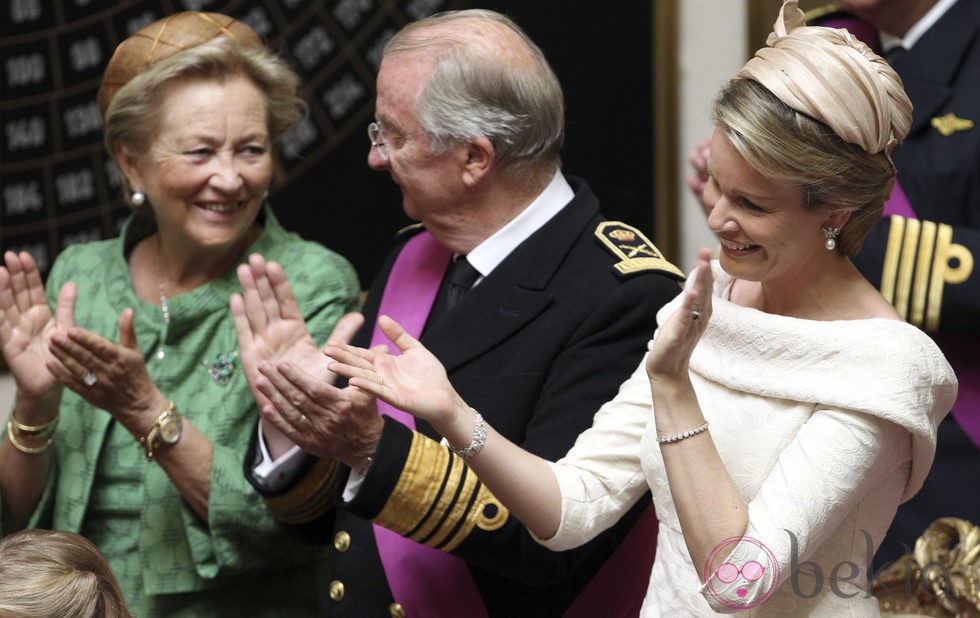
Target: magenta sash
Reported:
point(423, 580)
point(620, 585)
point(861, 29)
point(898, 203)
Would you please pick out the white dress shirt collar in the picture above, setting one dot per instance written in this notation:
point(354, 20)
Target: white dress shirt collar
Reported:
point(491, 252)
point(890, 41)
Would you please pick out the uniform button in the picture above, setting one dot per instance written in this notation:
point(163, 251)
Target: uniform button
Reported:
point(341, 541)
point(396, 610)
point(337, 590)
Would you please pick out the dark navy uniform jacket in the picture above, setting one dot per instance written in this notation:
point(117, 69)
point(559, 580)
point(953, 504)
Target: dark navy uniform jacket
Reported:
point(537, 347)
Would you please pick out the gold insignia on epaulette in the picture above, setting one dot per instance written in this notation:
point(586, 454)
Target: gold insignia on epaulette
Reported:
point(950, 123)
point(634, 250)
point(821, 11)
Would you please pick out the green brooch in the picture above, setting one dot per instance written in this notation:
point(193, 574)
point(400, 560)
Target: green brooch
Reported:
point(222, 368)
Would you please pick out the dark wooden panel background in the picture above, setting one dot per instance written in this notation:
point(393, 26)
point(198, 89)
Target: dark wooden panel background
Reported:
point(58, 187)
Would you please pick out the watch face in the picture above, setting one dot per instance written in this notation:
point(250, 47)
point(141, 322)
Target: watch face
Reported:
point(170, 428)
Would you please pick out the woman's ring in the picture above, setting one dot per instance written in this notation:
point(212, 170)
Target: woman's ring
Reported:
point(302, 418)
point(695, 315)
point(90, 378)
point(381, 380)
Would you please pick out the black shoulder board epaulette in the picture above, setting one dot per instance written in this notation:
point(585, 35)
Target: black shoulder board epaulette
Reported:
point(634, 250)
point(821, 12)
point(409, 230)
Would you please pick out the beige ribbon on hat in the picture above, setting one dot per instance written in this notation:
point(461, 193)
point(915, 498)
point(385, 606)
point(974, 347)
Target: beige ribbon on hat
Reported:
point(829, 75)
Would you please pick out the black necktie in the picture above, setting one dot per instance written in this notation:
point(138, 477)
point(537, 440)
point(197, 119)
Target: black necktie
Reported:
point(459, 278)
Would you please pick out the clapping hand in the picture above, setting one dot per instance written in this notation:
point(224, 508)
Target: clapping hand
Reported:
point(414, 381)
point(698, 178)
point(271, 327)
point(111, 376)
point(289, 375)
point(26, 324)
point(676, 339)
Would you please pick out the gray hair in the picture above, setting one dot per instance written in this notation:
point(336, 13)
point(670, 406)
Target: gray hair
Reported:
point(480, 86)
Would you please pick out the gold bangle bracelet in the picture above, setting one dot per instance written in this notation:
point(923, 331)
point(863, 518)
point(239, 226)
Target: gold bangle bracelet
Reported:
point(43, 428)
point(30, 450)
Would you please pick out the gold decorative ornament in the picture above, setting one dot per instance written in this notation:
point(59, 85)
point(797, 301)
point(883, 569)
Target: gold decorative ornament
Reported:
point(950, 123)
point(941, 577)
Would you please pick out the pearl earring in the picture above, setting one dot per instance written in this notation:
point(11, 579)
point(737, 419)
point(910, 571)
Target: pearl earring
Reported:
point(138, 198)
point(831, 234)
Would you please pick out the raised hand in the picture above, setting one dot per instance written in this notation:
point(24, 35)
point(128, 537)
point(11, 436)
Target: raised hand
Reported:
point(288, 374)
point(111, 376)
point(26, 324)
point(696, 180)
point(677, 337)
point(271, 328)
point(326, 421)
point(414, 381)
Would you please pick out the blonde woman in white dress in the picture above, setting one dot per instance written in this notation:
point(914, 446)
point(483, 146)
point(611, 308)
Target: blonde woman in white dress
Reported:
point(784, 409)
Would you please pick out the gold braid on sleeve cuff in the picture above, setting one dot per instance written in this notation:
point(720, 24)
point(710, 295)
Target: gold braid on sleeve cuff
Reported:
point(311, 498)
point(438, 501)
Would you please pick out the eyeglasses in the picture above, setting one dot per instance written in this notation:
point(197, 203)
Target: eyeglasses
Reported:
point(380, 142)
point(374, 133)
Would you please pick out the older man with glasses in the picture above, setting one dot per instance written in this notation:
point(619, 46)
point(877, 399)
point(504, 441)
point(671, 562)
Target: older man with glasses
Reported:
point(537, 306)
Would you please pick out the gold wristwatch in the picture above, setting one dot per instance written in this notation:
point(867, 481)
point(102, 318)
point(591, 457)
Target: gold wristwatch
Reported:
point(165, 431)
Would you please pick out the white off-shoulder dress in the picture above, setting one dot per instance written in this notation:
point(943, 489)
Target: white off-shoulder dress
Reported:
point(824, 427)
